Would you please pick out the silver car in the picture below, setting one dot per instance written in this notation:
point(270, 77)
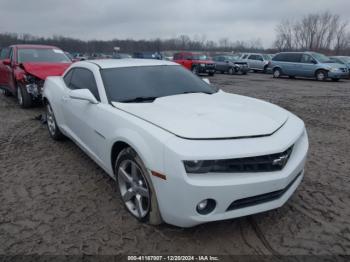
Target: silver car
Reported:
point(258, 62)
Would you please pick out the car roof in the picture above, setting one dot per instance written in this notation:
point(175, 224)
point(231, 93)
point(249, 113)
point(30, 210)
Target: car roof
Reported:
point(35, 46)
point(129, 62)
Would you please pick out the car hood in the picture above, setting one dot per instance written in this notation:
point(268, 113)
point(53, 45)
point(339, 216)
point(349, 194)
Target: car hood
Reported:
point(334, 65)
point(43, 70)
point(204, 116)
point(203, 61)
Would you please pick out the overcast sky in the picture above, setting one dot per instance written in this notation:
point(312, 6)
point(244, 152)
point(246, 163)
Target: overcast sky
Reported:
point(107, 19)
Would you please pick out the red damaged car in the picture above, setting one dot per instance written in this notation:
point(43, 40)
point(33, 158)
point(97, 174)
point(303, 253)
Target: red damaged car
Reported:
point(24, 68)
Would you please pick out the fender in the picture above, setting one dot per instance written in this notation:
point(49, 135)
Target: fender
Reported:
point(149, 153)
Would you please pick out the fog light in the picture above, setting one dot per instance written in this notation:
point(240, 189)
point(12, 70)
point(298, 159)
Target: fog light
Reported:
point(202, 205)
point(206, 206)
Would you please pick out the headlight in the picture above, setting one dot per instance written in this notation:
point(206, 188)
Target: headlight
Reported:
point(333, 69)
point(198, 166)
point(202, 65)
point(29, 78)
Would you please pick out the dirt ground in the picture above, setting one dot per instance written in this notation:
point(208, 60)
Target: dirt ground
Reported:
point(55, 200)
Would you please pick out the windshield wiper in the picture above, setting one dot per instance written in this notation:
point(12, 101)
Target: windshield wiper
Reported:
point(139, 99)
point(196, 92)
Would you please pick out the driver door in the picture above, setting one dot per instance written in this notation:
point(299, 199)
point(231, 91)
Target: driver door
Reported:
point(82, 117)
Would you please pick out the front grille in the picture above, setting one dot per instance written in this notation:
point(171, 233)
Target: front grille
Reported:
point(260, 199)
point(210, 66)
point(265, 163)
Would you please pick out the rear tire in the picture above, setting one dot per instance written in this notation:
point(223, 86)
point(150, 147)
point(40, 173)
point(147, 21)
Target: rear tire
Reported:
point(23, 97)
point(321, 75)
point(230, 71)
point(335, 79)
point(135, 187)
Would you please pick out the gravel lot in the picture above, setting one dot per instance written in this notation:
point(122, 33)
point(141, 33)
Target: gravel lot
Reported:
point(55, 200)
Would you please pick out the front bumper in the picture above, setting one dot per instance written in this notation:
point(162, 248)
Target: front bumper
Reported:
point(243, 68)
point(207, 69)
point(338, 74)
point(179, 195)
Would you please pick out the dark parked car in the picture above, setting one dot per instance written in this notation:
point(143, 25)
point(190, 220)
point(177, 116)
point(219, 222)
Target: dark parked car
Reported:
point(121, 56)
point(230, 64)
point(147, 55)
point(307, 64)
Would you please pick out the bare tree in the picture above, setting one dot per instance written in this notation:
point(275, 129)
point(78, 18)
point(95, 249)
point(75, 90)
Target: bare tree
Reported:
point(317, 32)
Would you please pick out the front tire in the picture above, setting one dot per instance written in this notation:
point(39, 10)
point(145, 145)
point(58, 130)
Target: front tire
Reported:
point(230, 71)
point(195, 70)
point(135, 187)
point(277, 73)
point(52, 126)
point(335, 79)
point(321, 75)
point(23, 97)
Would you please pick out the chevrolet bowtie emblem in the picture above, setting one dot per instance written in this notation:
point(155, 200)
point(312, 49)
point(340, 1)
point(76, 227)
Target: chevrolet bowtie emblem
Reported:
point(281, 161)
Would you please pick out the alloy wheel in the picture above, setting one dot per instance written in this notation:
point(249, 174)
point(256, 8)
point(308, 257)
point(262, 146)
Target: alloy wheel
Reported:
point(321, 76)
point(277, 73)
point(134, 188)
point(50, 118)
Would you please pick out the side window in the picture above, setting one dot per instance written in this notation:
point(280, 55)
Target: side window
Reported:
point(84, 79)
point(177, 56)
point(259, 58)
point(279, 57)
point(187, 56)
point(68, 77)
point(307, 59)
point(11, 54)
point(251, 57)
point(5, 53)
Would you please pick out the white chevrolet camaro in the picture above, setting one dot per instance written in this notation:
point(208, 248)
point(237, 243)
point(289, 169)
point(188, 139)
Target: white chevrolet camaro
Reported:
point(180, 150)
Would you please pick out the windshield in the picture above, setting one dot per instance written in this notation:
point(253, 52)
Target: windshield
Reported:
point(345, 59)
point(128, 83)
point(266, 57)
point(42, 55)
point(200, 57)
point(233, 58)
point(322, 58)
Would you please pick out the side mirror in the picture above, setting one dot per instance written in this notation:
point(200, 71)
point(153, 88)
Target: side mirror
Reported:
point(206, 80)
point(83, 94)
point(227, 61)
point(7, 62)
point(314, 61)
